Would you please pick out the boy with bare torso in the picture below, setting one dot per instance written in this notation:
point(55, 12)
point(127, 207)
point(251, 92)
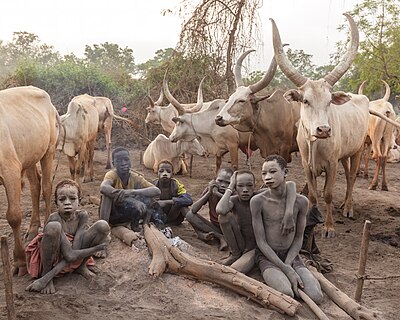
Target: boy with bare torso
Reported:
point(66, 242)
point(277, 255)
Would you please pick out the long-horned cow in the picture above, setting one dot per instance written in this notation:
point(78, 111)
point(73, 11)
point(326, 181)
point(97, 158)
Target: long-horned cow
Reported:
point(271, 118)
point(106, 113)
point(380, 136)
point(29, 127)
point(161, 148)
point(333, 125)
point(81, 124)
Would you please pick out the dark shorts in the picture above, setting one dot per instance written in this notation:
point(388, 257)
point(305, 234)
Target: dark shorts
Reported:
point(263, 263)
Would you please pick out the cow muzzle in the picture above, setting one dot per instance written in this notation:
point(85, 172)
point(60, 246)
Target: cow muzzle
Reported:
point(323, 132)
point(219, 120)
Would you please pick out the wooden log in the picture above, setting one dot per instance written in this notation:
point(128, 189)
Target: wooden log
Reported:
point(5, 258)
point(352, 308)
point(363, 260)
point(124, 234)
point(312, 305)
point(167, 256)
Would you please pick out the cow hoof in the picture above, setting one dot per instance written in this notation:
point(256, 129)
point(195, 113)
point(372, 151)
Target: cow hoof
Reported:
point(372, 187)
point(348, 214)
point(328, 233)
point(385, 188)
point(365, 176)
point(20, 271)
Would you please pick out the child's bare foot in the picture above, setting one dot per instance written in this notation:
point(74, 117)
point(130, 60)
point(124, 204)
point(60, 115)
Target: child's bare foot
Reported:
point(100, 254)
point(40, 286)
point(85, 272)
point(223, 245)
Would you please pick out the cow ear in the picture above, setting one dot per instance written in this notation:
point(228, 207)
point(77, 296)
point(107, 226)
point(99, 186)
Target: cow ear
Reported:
point(176, 119)
point(340, 98)
point(293, 95)
point(256, 99)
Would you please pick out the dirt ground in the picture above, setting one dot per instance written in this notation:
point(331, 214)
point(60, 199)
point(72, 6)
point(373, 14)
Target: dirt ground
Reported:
point(124, 290)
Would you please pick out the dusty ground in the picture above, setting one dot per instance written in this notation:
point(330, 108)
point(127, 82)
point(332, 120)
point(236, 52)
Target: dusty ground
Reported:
point(124, 290)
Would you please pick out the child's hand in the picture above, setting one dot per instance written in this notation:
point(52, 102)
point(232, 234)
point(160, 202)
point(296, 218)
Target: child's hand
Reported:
point(287, 224)
point(211, 185)
point(232, 184)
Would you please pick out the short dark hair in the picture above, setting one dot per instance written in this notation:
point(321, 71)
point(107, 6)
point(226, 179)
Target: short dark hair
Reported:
point(279, 159)
point(67, 182)
point(243, 171)
point(118, 149)
point(165, 161)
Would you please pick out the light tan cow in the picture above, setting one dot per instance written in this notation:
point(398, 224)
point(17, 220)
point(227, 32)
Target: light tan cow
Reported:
point(81, 124)
point(29, 127)
point(105, 109)
point(161, 148)
point(332, 128)
point(380, 135)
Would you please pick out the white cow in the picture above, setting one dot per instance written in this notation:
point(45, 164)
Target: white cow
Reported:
point(161, 148)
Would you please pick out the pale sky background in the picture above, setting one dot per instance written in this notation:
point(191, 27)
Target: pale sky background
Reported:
point(68, 26)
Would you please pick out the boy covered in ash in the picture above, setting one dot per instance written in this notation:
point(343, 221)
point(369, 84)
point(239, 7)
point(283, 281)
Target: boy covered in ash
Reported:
point(66, 243)
point(277, 255)
point(209, 229)
point(235, 219)
point(174, 199)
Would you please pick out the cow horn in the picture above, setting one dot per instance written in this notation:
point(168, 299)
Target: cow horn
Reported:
point(255, 87)
point(361, 88)
point(150, 100)
point(387, 92)
point(333, 76)
point(199, 103)
point(238, 68)
point(171, 99)
point(287, 68)
point(160, 98)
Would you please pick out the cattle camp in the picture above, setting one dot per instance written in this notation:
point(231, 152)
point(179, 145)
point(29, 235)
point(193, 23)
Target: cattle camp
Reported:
point(248, 168)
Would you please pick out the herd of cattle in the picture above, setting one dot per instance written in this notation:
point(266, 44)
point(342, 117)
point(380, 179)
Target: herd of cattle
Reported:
point(324, 126)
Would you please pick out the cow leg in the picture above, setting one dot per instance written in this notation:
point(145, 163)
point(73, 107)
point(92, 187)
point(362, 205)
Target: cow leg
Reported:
point(12, 183)
point(346, 166)
point(82, 158)
point(234, 154)
point(89, 162)
point(348, 201)
point(107, 133)
point(367, 155)
point(34, 183)
point(72, 166)
point(218, 161)
point(330, 177)
point(46, 163)
point(374, 182)
point(383, 165)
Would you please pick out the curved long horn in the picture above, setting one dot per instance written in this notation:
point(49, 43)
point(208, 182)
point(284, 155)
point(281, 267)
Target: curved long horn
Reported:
point(333, 76)
point(171, 99)
point(199, 103)
point(261, 84)
point(361, 88)
point(150, 100)
point(387, 92)
point(287, 68)
point(238, 68)
point(160, 98)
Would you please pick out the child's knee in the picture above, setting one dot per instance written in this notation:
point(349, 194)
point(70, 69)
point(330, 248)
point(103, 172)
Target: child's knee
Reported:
point(190, 216)
point(102, 227)
point(52, 229)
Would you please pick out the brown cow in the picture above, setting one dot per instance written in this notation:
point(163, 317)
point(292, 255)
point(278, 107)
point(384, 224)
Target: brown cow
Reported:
point(28, 134)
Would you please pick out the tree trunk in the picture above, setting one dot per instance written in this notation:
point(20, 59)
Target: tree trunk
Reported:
point(167, 256)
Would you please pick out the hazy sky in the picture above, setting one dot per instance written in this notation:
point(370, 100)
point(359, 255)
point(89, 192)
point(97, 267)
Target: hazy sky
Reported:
point(310, 25)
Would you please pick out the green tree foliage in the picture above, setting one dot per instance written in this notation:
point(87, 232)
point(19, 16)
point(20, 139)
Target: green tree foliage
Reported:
point(379, 53)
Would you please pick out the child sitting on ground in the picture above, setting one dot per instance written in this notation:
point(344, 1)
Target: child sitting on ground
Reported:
point(66, 243)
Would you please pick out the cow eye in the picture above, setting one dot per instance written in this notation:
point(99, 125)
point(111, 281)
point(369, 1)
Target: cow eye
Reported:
point(305, 101)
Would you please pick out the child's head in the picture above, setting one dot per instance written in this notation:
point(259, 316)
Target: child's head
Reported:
point(274, 171)
point(245, 184)
point(223, 178)
point(165, 170)
point(67, 196)
point(121, 160)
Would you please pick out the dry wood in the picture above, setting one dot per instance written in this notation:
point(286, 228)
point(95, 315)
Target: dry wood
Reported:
point(352, 308)
point(167, 256)
point(363, 260)
point(124, 234)
point(7, 279)
point(312, 305)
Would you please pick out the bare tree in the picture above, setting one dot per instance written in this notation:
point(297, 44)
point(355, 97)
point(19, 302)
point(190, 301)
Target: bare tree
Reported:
point(219, 29)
